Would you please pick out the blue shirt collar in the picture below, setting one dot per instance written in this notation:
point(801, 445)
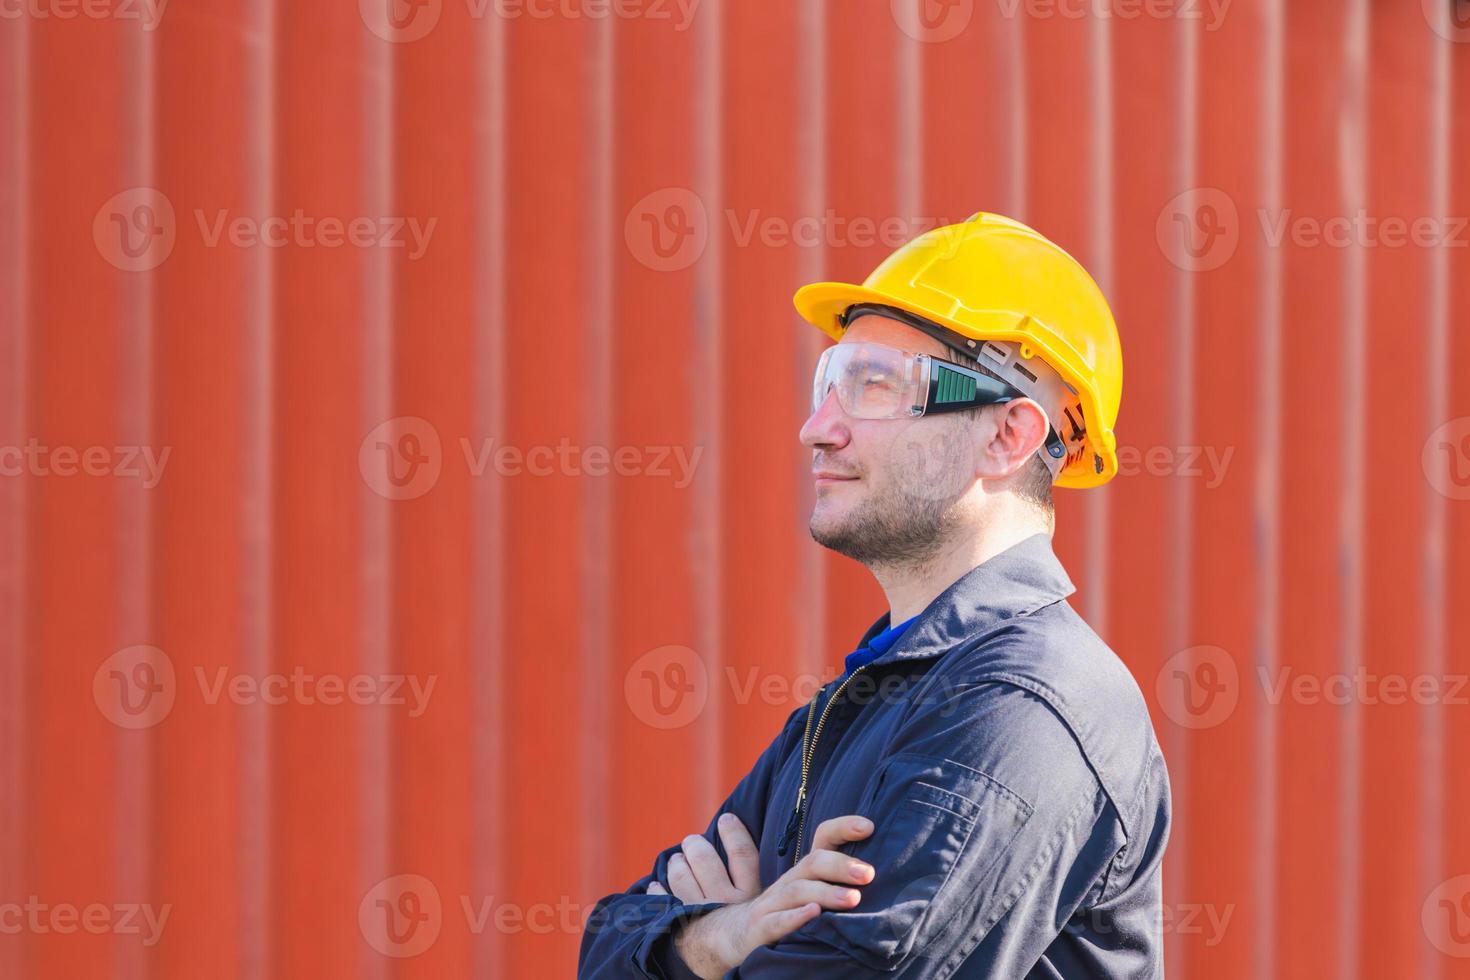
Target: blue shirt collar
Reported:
point(875, 646)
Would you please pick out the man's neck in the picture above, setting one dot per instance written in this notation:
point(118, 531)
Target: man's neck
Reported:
point(911, 587)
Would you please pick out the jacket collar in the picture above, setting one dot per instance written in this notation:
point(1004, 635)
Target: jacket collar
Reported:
point(1017, 581)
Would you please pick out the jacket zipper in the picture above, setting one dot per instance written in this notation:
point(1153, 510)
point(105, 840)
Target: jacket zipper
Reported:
point(798, 816)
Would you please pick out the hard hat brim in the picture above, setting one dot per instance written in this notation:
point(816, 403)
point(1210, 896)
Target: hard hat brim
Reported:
point(822, 304)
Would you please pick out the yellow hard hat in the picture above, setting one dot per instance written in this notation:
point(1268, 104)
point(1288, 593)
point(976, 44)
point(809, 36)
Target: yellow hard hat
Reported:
point(993, 278)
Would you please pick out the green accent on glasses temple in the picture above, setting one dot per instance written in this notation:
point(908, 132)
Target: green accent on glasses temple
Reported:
point(953, 386)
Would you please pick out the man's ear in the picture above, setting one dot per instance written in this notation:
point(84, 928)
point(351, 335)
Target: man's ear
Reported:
point(1017, 431)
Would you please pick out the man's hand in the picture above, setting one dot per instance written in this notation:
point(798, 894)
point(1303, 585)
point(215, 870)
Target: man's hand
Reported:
point(716, 943)
point(698, 875)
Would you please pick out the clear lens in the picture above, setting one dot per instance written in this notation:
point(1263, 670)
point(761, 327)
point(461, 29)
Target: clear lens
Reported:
point(872, 381)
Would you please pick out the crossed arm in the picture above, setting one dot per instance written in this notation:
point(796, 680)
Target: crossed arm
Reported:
point(982, 809)
point(716, 943)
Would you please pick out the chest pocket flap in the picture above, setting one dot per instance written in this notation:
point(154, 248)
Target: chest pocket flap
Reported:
point(942, 831)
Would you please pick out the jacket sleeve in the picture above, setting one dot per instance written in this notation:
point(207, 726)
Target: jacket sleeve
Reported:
point(983, 809)
point(629, 933)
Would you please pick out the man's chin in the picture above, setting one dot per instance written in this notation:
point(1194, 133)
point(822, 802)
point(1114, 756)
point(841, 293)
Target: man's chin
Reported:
point(833, 531)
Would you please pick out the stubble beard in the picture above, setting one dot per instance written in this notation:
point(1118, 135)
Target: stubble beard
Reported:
point(890, 528)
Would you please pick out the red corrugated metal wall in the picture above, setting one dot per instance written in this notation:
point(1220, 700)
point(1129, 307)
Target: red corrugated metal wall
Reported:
point(521, 425)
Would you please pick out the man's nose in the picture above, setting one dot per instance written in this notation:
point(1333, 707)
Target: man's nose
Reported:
point(827, 428)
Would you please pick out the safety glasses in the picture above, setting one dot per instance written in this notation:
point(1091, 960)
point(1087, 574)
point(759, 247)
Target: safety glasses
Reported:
point(873, 381)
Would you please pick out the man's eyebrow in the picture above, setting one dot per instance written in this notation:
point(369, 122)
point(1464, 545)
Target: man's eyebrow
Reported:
point(867, 363)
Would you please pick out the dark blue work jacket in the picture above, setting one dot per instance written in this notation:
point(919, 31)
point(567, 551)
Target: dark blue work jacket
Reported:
point(1020, 800)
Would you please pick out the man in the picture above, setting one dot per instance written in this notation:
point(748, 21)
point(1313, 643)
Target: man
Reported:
point(981, 793)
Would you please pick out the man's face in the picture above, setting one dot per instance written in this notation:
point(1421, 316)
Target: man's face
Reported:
point(887, 489)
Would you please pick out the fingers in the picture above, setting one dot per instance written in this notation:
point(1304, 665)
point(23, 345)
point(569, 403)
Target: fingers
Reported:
point(791, 902)
point(834, 866)
point(681, 879)
point(745, 860)
point(654, 888)
point(832, 834)
point(777, 925)
point(709, 871)
point(792, 892)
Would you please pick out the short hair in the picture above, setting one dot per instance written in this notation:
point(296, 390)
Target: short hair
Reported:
point(1033, 482)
